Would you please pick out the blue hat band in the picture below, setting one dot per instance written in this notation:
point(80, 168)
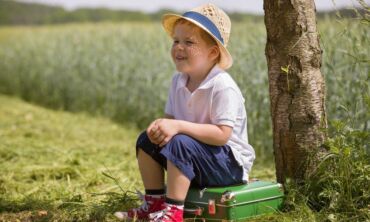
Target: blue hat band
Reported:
point(206, 22)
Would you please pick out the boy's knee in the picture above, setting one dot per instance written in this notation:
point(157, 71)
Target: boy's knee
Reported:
point(142, 140)
point(180, 144)
point(180, 139)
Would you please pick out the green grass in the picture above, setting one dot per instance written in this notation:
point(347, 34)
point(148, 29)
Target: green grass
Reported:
point(51, 159)
point(54, 167)
point(54, 161)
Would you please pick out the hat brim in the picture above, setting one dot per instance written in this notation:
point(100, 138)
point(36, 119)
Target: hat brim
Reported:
point(168, 22)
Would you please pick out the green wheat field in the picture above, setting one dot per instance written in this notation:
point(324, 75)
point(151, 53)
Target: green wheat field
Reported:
point(74, 97)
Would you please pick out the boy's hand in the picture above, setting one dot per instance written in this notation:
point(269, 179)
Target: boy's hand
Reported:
point(151, 131)
point(161, 131)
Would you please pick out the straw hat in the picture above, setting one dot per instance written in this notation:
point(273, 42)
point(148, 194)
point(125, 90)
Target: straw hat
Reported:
point(211, 19)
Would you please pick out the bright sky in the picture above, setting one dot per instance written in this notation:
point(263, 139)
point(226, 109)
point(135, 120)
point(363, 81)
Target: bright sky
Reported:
point(254, 6)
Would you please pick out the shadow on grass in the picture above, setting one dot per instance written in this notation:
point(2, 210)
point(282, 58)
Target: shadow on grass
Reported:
point(24, 210)
point(99, 207)
point(25, 204)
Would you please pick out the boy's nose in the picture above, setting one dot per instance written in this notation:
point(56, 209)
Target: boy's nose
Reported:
point(179, 46)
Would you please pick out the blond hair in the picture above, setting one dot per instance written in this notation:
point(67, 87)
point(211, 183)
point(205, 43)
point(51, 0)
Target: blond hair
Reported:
point(203, 34)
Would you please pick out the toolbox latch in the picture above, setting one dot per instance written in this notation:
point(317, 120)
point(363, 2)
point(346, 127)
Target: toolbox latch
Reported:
point(211, 207)
point(227, 196)
point(197, 212)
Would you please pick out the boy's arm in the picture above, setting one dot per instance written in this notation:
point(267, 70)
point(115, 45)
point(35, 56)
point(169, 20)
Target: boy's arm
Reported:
point(161, 131)
point(211, 134)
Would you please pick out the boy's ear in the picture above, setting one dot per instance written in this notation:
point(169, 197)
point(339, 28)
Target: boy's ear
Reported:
point(214, 52)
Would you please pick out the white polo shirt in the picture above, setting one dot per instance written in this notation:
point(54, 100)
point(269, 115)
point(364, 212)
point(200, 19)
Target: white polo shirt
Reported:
point(218, 101)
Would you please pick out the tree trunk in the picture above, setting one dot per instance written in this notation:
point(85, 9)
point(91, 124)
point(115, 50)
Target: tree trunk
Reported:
point(297, 88)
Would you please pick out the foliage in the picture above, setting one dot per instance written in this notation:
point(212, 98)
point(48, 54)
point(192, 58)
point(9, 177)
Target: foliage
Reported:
point(341, 182)
point(338, 189)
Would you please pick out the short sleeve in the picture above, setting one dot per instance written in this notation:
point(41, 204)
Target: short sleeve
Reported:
point(170, 103)
point(225, 107)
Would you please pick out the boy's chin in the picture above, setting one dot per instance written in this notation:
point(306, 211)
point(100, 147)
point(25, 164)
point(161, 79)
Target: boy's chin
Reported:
point(181, 69)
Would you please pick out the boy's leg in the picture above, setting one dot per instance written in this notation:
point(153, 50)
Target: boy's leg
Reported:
point(177, 183)
point(177, 188)
point(151, 166)
point(190, 160)
point(152, 173)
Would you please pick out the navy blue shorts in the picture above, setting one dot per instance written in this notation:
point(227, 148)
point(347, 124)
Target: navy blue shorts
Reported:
point(205, 165)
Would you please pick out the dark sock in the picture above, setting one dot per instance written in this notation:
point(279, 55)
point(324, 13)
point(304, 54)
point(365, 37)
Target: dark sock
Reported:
point(174, 202)
point(155, 192)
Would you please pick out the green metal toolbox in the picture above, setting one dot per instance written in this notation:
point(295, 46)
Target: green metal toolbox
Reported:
point(233, 203)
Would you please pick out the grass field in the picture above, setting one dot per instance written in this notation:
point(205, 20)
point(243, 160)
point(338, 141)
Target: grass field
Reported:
point(52, 160)
point(59, 166)
point(55, 161)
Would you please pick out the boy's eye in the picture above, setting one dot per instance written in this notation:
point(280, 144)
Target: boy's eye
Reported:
point(175, 41)
point(189, 42)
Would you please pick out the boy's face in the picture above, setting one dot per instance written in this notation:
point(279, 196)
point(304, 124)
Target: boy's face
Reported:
point(190, 52)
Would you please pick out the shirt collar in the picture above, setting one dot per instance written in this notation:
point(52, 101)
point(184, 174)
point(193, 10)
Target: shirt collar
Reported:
point(206, 83)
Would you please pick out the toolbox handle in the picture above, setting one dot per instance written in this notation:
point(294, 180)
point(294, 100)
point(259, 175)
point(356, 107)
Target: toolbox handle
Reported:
point(198, 211)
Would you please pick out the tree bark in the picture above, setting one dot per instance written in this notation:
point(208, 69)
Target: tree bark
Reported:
point(297, 88)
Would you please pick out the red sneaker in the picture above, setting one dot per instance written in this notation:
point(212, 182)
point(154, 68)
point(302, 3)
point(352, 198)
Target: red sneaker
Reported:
point(169, 214)
point(150, 204)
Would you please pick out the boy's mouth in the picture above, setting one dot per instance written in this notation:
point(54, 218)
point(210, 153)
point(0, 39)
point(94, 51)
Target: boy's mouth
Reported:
point(180, 58)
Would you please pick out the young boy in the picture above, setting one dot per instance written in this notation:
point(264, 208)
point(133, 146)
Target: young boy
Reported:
point(202, 141)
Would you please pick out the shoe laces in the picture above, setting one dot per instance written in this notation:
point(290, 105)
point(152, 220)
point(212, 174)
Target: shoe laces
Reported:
point(160, 215)
point(146, 203)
